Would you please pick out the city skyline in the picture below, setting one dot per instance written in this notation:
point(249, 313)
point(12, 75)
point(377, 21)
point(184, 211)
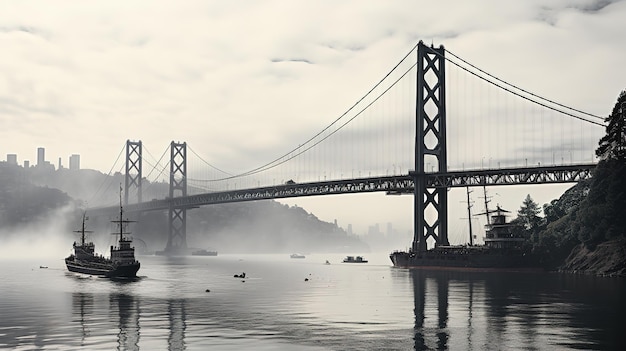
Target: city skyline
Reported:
point(73, 160)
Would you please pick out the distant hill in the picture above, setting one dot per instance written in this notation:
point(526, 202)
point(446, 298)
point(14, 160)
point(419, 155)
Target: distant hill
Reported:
point(267, 226)
point(22, 202)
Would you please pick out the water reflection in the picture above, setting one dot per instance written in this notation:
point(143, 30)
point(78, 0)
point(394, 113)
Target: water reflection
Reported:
point(178, 324)
point(128, 316)
point(82, 306)
point(423, 334)
point(340, 307)
point(476, 311)
point(123, 315)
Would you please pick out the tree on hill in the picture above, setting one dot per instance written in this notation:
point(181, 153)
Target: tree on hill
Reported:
point(613, 144)
point(602, 215)
point(558, 236)
point(592, 211)
point(528, 214)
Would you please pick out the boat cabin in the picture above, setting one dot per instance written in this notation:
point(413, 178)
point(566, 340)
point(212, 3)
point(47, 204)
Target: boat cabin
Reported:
point(500, 234)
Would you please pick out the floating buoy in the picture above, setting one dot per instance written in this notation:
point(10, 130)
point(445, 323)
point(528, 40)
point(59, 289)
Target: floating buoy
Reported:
point(306, 279)
point(207, 290)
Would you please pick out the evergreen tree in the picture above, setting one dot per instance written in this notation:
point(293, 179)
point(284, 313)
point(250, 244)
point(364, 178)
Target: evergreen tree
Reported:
point(528, 214)
point(613, 144)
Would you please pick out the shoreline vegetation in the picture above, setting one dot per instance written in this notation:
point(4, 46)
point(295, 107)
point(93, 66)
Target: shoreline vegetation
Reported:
point(590, 226)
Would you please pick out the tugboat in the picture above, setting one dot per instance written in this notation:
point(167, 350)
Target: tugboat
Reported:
point(503, 249)
point(122, 263)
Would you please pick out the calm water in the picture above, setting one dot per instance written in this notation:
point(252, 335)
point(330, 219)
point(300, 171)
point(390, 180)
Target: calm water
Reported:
point(341, 307)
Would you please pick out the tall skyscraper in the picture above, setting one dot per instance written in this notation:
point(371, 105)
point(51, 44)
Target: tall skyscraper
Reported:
point(41, 156)
point(74, 162)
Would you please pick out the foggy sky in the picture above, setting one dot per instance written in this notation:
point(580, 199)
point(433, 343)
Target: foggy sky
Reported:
point(243, 82)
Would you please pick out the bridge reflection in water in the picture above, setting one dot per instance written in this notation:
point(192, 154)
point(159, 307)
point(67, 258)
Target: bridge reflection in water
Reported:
point(533, 311)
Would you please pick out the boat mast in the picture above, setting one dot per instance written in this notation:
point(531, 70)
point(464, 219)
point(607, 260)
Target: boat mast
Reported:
point(121, 215)
point(82, 232)
point(486, 198)
point(469, 217)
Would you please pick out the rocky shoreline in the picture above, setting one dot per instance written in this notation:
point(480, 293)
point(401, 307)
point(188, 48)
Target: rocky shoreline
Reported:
point(606, 259)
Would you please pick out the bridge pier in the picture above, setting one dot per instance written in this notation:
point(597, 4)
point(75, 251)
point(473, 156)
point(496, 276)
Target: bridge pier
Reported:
point(430, 148)
point(177, 215)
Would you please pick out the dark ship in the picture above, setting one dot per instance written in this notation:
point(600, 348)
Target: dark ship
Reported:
point(503, 249)
point(121, 264)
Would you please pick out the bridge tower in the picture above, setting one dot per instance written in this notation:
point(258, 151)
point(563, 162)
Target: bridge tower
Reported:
point(430, 148)
point(133, 176)
point(177, 240)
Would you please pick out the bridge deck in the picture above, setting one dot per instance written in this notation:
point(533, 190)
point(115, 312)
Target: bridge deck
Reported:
point(402, 184)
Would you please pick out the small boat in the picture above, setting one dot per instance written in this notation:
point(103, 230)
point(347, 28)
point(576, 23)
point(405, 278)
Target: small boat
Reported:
point(121, 264)
point(203, 252)
point(352, 259)
point(297, 255)
point(326, 262)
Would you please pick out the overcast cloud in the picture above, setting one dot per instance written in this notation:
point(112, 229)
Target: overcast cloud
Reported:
point(242, 82)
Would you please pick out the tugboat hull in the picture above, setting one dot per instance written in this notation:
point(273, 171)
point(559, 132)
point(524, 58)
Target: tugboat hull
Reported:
point(103, 269)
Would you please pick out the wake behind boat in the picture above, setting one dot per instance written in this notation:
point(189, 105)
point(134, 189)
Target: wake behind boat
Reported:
point(121, 264)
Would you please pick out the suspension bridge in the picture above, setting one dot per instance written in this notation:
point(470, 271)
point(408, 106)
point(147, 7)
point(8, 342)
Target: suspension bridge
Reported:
point(432, 123)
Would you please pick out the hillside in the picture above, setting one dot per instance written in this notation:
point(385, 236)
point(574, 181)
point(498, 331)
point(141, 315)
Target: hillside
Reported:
point(585, 230)
point(606, 259)
point(35, 194)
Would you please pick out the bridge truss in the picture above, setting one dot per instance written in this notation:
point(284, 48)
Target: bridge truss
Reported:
point(392, 185)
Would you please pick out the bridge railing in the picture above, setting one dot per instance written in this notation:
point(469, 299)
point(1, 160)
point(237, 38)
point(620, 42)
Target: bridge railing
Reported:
point(401, 184)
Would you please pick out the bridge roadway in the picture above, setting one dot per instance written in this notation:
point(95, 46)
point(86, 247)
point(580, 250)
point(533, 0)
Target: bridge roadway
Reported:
point(392, 185)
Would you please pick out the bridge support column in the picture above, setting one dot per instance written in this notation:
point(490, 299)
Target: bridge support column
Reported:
point(177, 241)
point(431, 204)
point(133, 169)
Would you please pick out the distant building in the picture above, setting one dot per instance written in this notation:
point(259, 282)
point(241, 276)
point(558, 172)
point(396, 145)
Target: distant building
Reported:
point(75, 162)
point(374, 230)
point(12, 159)
point(41, 156)
point(26, 164)
point(60, 165)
